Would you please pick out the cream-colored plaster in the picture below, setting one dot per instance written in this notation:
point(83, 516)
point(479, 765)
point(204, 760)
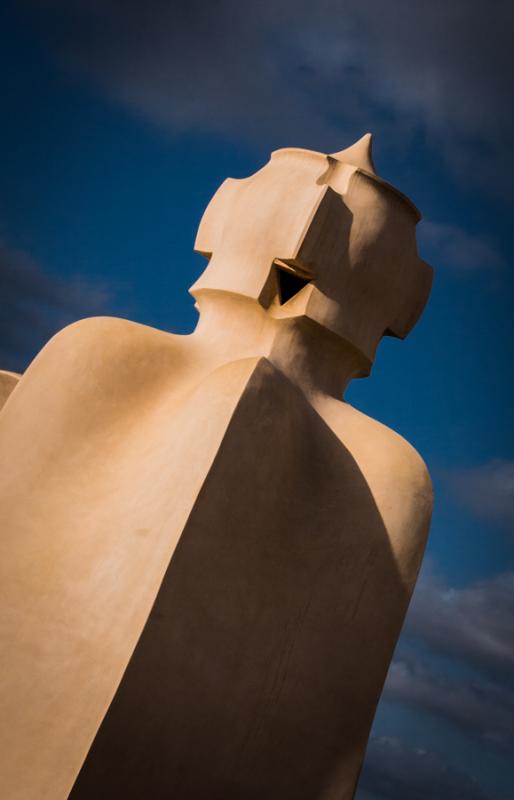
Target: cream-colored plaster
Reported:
point(114, 428)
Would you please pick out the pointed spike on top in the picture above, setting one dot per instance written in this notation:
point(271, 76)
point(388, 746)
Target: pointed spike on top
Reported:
point(358, 155)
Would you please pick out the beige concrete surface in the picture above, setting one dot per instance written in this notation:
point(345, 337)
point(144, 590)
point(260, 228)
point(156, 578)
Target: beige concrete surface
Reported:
point(8, 382)
point(248, 662)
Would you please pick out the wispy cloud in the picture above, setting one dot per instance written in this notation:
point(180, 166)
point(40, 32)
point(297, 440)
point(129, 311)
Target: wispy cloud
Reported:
point(486, 490)
point(312, 74)
point(473, 623)
point(454, 662)
point(34, 305)
point(457, 249)
point(479, 709)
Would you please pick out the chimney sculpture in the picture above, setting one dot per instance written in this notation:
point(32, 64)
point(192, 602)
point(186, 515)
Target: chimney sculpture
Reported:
point(207, 553)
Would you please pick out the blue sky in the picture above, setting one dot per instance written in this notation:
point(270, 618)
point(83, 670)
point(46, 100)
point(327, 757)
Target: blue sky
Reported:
point(122, 118)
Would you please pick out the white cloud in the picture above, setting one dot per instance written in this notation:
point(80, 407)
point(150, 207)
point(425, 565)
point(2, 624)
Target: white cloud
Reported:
point(473, 623)
point(286, 72)
point(487, 490)
point(456, 248)
point(479, 709)
point(455, 659)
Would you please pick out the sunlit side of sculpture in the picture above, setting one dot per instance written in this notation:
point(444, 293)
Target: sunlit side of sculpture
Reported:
point(207, 555)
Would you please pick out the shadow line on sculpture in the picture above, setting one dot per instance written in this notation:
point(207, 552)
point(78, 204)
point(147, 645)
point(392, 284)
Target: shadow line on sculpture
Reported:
point(260, 666)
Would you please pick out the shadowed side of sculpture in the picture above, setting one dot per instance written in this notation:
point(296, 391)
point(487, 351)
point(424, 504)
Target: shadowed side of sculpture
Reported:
point(259, 669)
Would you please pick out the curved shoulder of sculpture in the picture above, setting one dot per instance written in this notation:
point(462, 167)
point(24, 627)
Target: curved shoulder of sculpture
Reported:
point(396, 475)
point(381, 451)
point(377, 445)
point(107, 334)
point(96, 370)
point(109, 344)
point(392, 450)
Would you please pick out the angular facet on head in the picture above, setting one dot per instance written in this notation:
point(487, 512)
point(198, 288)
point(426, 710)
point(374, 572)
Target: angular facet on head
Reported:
point(358, 155)
point(250, 223)
point(329, 226)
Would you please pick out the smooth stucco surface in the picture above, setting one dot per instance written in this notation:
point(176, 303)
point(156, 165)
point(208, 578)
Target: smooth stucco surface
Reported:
point(207, 555)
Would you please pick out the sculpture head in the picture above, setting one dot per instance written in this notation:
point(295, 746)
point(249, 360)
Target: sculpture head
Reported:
point(320, 237)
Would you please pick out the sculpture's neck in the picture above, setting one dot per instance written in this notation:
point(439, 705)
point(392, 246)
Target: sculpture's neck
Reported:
point(233, 327)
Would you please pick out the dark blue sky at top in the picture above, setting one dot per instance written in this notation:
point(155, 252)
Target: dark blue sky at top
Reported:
point(120, 121)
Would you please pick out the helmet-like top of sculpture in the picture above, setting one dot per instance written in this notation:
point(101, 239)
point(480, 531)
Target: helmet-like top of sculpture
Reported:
point(321, 237)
